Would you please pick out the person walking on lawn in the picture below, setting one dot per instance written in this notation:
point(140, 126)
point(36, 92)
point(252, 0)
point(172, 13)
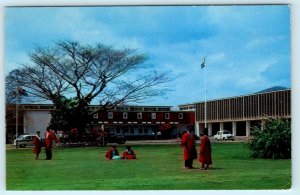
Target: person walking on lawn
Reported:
point(189, 150)
point(205, 152)
point(49, 137)
point(37, 145)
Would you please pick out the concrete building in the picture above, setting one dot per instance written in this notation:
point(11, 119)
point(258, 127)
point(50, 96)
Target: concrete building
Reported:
point(236, 114)
point(239, 114)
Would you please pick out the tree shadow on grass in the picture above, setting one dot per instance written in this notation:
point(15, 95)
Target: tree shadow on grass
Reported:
point(212, 169)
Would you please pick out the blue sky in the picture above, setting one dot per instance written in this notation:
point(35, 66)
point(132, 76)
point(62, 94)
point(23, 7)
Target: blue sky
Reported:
point(247, 48)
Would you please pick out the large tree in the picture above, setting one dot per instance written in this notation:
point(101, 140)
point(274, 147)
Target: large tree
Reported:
point(73, 75)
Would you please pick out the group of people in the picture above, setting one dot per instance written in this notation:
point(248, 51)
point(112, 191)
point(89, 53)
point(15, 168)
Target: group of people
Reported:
point(49, 138)
point(188, 142)
point(113, 153)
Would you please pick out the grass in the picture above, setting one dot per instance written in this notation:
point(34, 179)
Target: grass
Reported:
point(158, 167)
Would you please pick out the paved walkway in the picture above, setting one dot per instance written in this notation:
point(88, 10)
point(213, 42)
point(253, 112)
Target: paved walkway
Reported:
point(176, 141)
point(158, 141)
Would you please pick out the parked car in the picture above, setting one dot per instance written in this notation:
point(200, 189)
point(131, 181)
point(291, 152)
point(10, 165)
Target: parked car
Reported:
point(111, 138)
point(25, 140)
point(224, 135)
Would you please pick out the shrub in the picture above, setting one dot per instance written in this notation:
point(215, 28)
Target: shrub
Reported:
point(271, 141)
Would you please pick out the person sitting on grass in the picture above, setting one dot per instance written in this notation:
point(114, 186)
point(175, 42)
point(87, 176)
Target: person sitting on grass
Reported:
point(128, 153)
point(112, 153)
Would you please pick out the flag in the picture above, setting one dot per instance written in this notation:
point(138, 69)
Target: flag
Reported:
point(203, 64)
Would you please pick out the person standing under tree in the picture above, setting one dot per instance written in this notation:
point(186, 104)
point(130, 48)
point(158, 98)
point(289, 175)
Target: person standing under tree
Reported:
point(205, 152)
point(37, 145)
point(189, 150)
point(49, 137)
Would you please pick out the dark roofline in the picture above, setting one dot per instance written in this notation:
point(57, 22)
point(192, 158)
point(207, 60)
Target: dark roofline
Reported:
point(136, 106)
point(212, 100)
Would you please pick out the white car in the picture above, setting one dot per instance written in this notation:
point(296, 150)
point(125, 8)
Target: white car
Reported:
point(224, 135)
point(24, 140)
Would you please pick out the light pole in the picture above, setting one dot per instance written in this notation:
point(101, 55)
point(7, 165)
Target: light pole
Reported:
point(17, 115)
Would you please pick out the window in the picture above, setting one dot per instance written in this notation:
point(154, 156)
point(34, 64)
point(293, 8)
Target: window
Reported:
point(110, 115)
point(180, 115)
point(126, 131)
point(153, 115)
point(167, 115)
point(95, 115)
point(125, 115)
point(139, 115)
point(141, 131)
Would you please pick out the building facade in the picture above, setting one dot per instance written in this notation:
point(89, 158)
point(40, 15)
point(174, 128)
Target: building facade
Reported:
point(134, 122)
point(239, 114)
point(141, 122)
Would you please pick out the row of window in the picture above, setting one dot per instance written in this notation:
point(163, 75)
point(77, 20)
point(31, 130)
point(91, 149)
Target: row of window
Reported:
point(110, 115)
point(142, 108)
point(269, 104)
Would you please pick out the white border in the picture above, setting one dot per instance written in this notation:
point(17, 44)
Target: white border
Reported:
point(295, 32)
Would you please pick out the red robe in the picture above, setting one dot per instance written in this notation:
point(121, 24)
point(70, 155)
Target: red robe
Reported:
point(49, 137)
point(109, 153)
point(188, 143)
point(37, 145)
point(205, 151)
point(127, 155)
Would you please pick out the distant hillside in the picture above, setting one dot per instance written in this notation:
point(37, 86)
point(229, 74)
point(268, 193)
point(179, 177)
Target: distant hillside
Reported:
point(275, 88)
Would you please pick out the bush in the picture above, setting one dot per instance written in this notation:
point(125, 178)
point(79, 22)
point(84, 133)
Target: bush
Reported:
point(271, 141)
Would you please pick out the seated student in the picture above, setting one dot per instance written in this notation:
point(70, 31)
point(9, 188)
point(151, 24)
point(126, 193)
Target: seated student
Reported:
point(128, 153)
point(112, 153)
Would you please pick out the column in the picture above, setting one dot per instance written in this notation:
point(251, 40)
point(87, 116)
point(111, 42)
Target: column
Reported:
point(209, 129)
point(247, 128)
point(263, 123)
point(234, 128)
point(24, 124)
point(221, 126)
point(197, 131)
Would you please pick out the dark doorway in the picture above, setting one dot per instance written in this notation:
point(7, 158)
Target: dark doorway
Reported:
point(215, 128)
point(228, 126)
point(241, 128)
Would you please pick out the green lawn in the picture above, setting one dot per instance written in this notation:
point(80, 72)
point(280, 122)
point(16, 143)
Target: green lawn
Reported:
point(159, 167)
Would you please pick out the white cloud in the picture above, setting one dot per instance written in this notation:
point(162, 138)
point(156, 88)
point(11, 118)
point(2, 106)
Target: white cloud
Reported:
point(263, 41)
point(230, 37)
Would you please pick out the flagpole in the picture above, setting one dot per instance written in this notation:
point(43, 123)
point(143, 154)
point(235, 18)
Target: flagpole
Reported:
point(205, 103)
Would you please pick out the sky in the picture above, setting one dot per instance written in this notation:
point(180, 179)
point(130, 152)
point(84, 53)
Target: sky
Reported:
point(247, 48)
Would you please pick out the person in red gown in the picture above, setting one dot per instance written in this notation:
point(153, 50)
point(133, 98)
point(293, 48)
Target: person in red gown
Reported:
point(205, 152)
point(128, 153)
point(189, 150)
point(37, 145)
point(49, 138)
point(112, 153)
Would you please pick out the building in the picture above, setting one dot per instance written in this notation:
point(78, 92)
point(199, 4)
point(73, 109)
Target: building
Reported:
point(140, 122)
point(134, 122)
point(238, 114)
point(31, 117)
